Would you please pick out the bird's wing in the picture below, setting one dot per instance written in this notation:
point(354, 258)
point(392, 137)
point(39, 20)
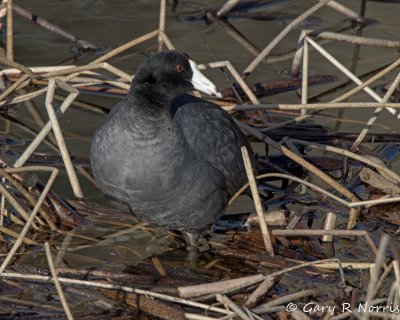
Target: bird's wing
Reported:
point(213, 136)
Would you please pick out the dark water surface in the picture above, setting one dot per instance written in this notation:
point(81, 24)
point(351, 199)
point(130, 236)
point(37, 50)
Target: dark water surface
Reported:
point(110, 23)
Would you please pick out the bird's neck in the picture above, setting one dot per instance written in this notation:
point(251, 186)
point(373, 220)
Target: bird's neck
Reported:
point(148, 115)
point(155, 99)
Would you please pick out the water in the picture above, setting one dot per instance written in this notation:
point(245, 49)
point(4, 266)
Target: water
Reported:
point(110, 23)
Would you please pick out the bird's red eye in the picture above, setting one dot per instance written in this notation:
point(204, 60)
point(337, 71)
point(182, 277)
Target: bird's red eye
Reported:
point(179, 68)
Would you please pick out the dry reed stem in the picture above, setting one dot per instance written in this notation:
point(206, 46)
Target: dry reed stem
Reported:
point(377, 112)
point(10, 31)
point(393, 295)
point(329, 224)
point(312, 106)
point(345, 265)
point(24, 97)
point(238, 36)
point(339, 99)
point(73, 72)
point(250, 68)
point(15, 65)
point(291, 177)
point(266, 285)
point(257, 201)
point(235, 74)
point(14, 86)
point(284, 300)
point(159, 267)
point(347, 72)
point(25, 229)
point(94, 284)
point(195, 316)
point(63, 248)
point(325, 35)
point(354, 39)
point(88, 67)
point(214, 287)
point(304, 80)
point(161, 23)
point(233, 306)
point(345, 11)
point(16, 184)
point(13, 218)
point(381, 280)
point(41, 135)
point(2, 210)
point(126, 46)
point(57, 284)
point(278, 147)
point(247, 281)
point(337, 233)
point(118, 50)
point(370, 203)
point(379, 263)
point(16, 69)
point(226, 7)
point(19, 302)
point(348, 314)
point(58, 132)
point(15, 235)
point(166, 40)
point(15, 204)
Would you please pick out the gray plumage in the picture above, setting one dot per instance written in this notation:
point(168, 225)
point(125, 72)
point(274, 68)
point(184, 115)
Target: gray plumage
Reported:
point(172, 160)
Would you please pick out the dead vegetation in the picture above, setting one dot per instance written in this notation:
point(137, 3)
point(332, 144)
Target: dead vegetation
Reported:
point(243, 274)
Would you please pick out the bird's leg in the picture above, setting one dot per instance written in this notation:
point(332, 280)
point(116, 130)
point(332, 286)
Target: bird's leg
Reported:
point(192, 239)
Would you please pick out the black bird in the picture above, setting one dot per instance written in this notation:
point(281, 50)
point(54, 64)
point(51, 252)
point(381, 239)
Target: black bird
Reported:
point(172, 159)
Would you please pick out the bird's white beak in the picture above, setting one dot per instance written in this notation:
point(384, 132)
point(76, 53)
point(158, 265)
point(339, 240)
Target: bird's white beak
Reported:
point(201, 83)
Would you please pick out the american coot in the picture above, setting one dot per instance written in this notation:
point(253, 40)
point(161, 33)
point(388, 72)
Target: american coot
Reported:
point(169, 157)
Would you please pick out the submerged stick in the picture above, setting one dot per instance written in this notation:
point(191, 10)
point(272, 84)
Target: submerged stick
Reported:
point(257, 201)
point(51, 27)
